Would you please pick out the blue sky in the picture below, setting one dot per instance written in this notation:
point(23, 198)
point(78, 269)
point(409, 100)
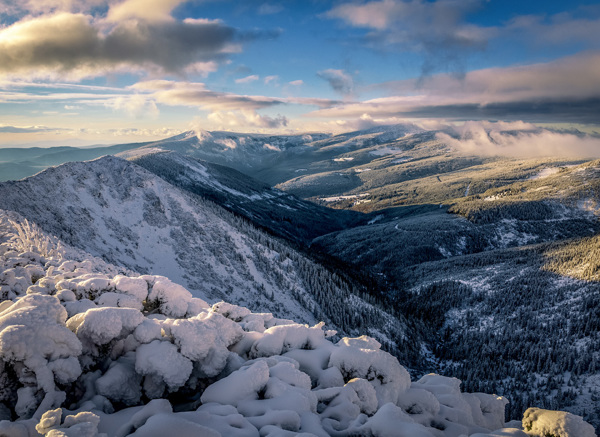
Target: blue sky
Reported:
point(111, 71)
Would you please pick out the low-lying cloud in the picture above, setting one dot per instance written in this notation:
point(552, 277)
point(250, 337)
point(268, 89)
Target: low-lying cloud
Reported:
point(27, 130)
point(244, 119)
point(518, 139)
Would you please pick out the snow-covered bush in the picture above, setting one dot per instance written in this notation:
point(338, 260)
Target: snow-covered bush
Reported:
point(556, 424)
point(87, 349)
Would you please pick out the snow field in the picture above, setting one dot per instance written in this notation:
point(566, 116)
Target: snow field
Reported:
point(85, 351)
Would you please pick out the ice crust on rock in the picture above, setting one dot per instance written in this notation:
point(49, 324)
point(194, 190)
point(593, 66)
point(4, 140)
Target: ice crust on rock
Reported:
point(84, 345)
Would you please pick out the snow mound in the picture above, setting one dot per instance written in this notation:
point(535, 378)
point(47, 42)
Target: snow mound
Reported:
point(87, 349)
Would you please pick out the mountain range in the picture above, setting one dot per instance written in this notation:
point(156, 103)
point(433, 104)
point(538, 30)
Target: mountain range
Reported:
point(454, 262)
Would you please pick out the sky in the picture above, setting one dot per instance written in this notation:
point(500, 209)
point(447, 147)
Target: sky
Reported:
point(81, 72)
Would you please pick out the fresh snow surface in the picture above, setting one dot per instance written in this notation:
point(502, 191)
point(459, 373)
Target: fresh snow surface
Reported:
point(90, 349)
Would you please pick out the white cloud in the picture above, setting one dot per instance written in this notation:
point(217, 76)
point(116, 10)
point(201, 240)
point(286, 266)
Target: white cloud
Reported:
point(202, 69)
point(574, 76)
point(240, 119)
point(76, 46)
point(248, 79)
point(196, 94)
point(28, 129)
point(375, 14)
point(296, 82)
point(566, 89)
point(556, 29)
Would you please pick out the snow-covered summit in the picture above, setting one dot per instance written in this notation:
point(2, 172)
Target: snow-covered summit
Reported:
point(87, 352)
point(239, 149)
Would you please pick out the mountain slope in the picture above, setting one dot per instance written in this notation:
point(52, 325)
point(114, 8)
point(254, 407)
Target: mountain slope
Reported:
point(275, 159)
point(276, 211)
point(248, 153)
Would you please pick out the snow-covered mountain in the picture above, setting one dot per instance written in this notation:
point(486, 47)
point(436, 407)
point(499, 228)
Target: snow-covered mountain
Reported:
point(485, 260)
point(249, 153)
point(275, 159)
point(116, 210)
point(278, 212)
point(87, 352)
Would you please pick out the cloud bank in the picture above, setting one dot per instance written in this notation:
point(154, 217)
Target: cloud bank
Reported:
point(197, 94)
point(518, 139)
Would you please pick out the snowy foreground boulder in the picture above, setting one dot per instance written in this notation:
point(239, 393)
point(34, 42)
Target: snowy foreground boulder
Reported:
point(88, 349)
